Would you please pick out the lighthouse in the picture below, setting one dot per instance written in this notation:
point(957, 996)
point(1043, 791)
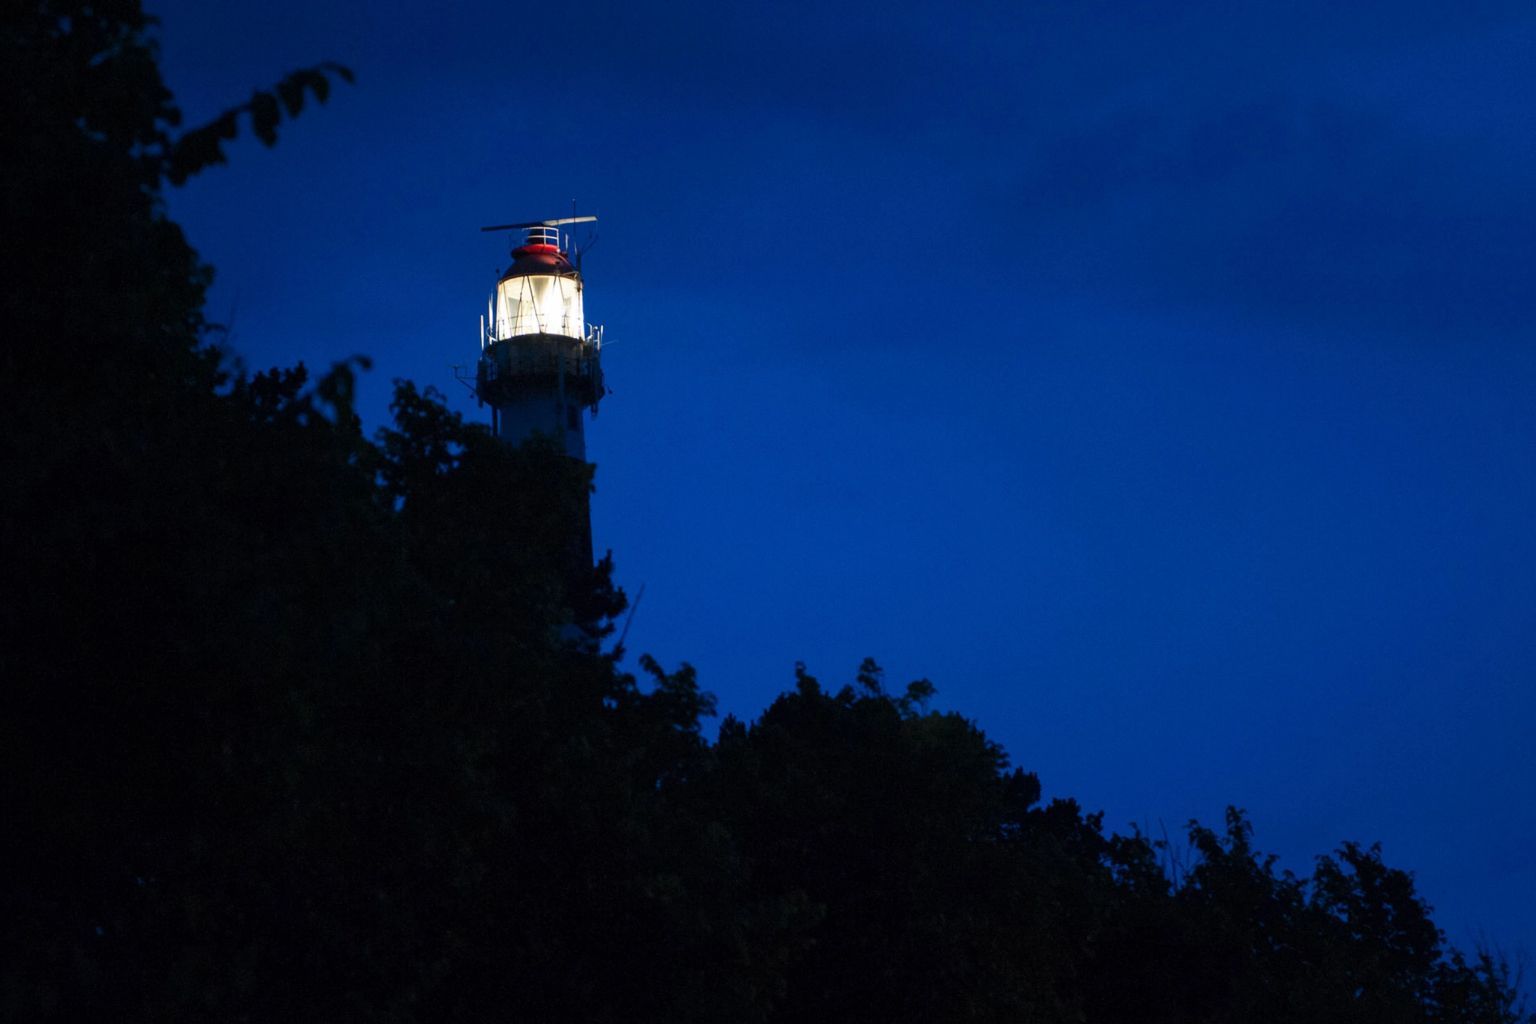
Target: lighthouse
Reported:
point(540, 366)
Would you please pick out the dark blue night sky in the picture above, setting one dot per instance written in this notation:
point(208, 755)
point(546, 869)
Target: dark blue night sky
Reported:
point(1157, 382)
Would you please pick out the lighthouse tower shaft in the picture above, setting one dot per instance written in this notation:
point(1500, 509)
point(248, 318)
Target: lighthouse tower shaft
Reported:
point(540, 366)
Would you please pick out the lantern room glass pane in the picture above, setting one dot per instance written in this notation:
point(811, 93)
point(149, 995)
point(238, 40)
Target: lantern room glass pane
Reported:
point(539, 304)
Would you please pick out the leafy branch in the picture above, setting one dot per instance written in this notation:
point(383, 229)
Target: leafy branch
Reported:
point(204, 147)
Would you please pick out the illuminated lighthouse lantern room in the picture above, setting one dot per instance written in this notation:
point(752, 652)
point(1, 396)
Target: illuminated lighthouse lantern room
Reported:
point(540, 369)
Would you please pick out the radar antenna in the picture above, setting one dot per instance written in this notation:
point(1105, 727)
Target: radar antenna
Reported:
point(553, 222)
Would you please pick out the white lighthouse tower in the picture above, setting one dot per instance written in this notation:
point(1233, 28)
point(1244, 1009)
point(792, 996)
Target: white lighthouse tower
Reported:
point(540, 366)
point(540, 369)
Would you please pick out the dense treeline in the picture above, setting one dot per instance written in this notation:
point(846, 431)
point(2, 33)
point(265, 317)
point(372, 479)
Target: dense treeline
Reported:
point(295, 726)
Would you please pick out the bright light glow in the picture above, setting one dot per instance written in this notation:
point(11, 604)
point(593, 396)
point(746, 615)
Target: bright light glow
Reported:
point(539, 304)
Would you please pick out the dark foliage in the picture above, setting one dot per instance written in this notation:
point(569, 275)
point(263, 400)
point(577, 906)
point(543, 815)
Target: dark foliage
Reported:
point(300, 725)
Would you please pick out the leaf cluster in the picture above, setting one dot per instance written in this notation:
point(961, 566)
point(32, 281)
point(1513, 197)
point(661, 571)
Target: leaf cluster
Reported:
point(203, 147)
